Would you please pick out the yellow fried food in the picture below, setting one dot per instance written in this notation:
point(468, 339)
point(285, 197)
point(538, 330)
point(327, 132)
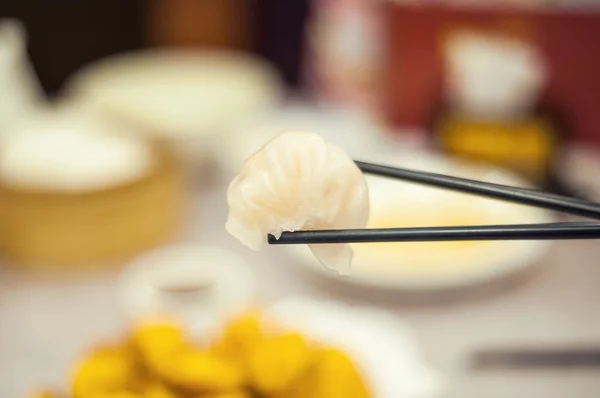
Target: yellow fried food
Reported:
point(203, 371)
point(159, 362)
point(234, 394)
point(106, 370)
point(115, 394)
point(339, 377)
point(333, 376)
point(240, 336)
point(157, 343)
point(158, 390)
point(275, 363)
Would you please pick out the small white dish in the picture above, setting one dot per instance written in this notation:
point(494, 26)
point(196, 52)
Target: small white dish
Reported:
point(201, 285)
point(436, 266)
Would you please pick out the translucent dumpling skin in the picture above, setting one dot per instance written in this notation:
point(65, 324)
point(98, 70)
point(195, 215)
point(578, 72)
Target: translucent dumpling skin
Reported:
point(298, 181)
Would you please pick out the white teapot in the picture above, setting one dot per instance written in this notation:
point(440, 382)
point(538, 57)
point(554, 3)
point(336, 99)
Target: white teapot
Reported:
point(493, 76)
point(20, 91)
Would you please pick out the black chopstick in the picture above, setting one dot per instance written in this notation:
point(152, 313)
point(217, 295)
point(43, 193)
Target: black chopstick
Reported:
point(554, 231)
point(524, 196)
point(536, 358)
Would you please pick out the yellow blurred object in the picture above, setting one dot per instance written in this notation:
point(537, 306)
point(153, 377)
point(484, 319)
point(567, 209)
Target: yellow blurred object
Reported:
point(235, 394)
point(157, 343)
point(338, 377)
point(116, 394)
point(334, 376)
point(241, 335)
point(105, 371)
point(63, 228)
point(528, 147)
point(277, 362)
point(158, 361)
point(200, 371)
point(158, 390)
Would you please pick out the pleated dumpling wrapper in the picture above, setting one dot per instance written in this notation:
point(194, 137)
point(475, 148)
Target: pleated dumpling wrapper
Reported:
point(298, 181)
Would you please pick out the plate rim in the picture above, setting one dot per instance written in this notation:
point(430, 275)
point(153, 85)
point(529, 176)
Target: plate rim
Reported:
point(524, 259)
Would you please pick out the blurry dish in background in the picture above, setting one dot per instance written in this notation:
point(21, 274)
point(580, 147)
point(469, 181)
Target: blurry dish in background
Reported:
point(22, 94)
point(190, 97)
point(201, 285)
point(493, 76)
point(76, 190)
point(493, 110)
point(437, 266)
point(356, 133)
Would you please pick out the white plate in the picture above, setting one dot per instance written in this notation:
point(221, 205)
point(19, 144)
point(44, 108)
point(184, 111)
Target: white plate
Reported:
point(385, 350)
point(434, 266)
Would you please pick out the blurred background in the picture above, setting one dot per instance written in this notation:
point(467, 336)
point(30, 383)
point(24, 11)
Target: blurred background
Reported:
point(123, 122)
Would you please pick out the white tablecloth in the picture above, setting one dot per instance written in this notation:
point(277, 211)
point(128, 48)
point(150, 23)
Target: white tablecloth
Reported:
point(46, 323)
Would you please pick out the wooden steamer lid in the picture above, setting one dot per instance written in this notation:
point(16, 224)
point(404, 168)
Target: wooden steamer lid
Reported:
point(45, 226)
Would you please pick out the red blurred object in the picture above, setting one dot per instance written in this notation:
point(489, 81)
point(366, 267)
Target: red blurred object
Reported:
point(569, 39)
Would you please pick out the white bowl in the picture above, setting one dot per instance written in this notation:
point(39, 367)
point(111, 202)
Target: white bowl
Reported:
point(190, 97)
point(431, 266)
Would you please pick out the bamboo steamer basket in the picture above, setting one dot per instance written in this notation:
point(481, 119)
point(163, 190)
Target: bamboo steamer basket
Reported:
point(44, 228)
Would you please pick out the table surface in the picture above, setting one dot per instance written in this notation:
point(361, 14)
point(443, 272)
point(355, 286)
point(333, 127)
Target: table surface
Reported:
point(45, 323)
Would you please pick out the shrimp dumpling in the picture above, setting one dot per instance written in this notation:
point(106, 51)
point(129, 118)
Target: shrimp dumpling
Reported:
point(298, 181)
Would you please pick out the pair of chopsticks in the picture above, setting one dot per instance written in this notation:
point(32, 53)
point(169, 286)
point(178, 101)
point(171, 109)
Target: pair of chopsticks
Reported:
point(564, 204)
